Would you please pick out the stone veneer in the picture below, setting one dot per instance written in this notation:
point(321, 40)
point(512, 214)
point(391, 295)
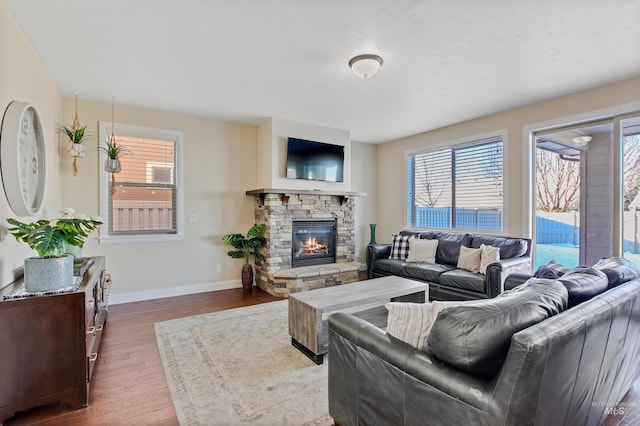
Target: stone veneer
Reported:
point(277, 209)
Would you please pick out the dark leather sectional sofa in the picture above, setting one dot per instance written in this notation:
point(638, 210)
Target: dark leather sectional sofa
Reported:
point(572, 368)
point(446, 281)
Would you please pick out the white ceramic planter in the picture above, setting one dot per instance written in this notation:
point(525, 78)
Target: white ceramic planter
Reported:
point(48, 273)
point(112, 166)
point(78, 150)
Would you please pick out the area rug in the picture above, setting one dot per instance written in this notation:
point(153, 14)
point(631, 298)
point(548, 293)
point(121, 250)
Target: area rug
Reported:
point(237, 367)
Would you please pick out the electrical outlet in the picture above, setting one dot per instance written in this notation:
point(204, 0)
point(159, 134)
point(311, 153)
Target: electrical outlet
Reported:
point(193, 218)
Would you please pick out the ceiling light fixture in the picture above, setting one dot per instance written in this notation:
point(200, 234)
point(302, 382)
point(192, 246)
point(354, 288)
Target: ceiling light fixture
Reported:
point(581, 140)
point(365, 66)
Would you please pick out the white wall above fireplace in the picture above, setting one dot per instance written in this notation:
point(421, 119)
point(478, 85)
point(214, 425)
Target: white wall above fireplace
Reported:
point(272, 154)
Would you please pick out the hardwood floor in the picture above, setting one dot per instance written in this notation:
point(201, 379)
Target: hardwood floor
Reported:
point(129, 387)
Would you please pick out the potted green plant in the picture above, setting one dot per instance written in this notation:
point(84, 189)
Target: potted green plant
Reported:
point(51, 239)
point(246, 247)
point(113, 152)
point(76, 135)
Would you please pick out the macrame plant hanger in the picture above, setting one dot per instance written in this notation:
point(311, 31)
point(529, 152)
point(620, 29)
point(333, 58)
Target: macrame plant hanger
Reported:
point(75, 126)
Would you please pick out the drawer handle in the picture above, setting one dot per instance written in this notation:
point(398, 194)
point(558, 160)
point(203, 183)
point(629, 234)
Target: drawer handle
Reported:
point(91, 330)
point(99, 328)
point(93, 357)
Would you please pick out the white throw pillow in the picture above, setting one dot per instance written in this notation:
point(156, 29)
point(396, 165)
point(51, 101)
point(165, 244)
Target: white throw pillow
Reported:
point(422, 250)
point(412, 322)
point(469, 259)
point(489, 254)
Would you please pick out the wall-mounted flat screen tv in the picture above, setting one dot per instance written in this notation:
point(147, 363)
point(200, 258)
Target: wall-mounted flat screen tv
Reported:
point(314, 160)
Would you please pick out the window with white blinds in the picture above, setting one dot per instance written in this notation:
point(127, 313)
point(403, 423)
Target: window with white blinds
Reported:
point(457, 187)
point(143, 200)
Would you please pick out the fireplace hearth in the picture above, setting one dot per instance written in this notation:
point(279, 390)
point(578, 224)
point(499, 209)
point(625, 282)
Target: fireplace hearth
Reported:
point(313, 242)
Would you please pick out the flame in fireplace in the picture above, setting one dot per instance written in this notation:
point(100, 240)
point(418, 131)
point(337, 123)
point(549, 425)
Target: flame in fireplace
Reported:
point(312, 247)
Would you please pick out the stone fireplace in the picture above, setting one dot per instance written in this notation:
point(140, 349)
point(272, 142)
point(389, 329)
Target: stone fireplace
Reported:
point(313, 242)
point(310, 239)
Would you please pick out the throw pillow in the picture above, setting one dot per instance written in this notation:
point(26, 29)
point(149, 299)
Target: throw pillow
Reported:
point(545, 272)
point(400, 246)
point(488, 255)
point(422, 250)
point(584, 283)
point(476, 338)
point(618, 270)
point(559, 269)
point(469, 259)
point(412, 322)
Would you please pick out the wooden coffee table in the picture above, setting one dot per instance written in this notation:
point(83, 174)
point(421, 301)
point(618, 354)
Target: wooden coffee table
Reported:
point(309, 310)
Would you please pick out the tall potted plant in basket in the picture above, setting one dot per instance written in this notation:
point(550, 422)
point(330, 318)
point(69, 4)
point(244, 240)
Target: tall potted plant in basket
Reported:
point(246, 247)
point(53, 268)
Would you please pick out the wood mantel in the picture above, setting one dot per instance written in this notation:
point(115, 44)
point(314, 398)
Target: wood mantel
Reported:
point(344, 195)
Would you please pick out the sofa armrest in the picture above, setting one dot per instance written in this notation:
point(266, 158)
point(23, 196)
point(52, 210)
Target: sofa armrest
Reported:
point(357, 349)
point(375, 252)
point(498, 271)
point(514, 280)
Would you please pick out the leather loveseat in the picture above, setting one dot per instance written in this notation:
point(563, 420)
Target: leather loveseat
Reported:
point(572, 368)
point(446, 280)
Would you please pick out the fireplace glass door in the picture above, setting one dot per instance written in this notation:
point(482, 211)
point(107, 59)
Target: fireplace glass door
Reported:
point(313, 242)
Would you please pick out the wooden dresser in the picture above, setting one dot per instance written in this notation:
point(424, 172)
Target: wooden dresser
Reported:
point(49, 344)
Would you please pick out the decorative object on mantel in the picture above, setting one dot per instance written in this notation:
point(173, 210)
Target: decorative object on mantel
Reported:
point(76, 134)
point(245, 248)
point(113, 152)
point(53, 268)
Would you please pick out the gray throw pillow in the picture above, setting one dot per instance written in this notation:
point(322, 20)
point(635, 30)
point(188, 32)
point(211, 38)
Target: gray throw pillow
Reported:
point(583, 283)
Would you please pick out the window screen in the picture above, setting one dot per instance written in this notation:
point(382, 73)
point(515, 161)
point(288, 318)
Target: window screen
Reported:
point(457, 187)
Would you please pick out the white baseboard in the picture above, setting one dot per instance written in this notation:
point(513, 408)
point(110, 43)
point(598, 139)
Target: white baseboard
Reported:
point(116, 299)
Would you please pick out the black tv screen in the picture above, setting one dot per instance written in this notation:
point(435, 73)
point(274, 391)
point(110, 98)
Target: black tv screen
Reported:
point(314, 160)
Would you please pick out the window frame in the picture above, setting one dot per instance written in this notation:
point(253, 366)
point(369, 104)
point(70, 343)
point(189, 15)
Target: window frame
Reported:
point(105, 193)
point(456, 144)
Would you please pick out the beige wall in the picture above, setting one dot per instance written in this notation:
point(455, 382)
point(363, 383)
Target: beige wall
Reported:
point(391, 156)
point(272, 145)
point(219, 166)
point(364, 179)
point(23, 78)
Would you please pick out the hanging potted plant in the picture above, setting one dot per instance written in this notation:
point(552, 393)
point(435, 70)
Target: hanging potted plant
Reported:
point(77, 135)
point(53, 268)
point(113, 152)
point(245, 248)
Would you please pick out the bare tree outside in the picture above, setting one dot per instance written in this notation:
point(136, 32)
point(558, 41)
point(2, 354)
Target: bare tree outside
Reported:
point(557, 182)
point(431, 183)
point(631, 169)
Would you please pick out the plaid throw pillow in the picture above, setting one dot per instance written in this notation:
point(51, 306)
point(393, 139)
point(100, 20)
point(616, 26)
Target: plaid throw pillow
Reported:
point(400, 246)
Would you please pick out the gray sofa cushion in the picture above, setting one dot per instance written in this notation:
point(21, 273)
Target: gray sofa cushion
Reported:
point(509, 247)
point(391, 266)
point(475, 338)
point(431, 272)
point(583, 283)
point(459, 278)
point(618, 270)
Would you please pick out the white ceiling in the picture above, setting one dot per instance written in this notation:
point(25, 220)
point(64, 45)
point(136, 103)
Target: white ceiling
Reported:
point(445, 61)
